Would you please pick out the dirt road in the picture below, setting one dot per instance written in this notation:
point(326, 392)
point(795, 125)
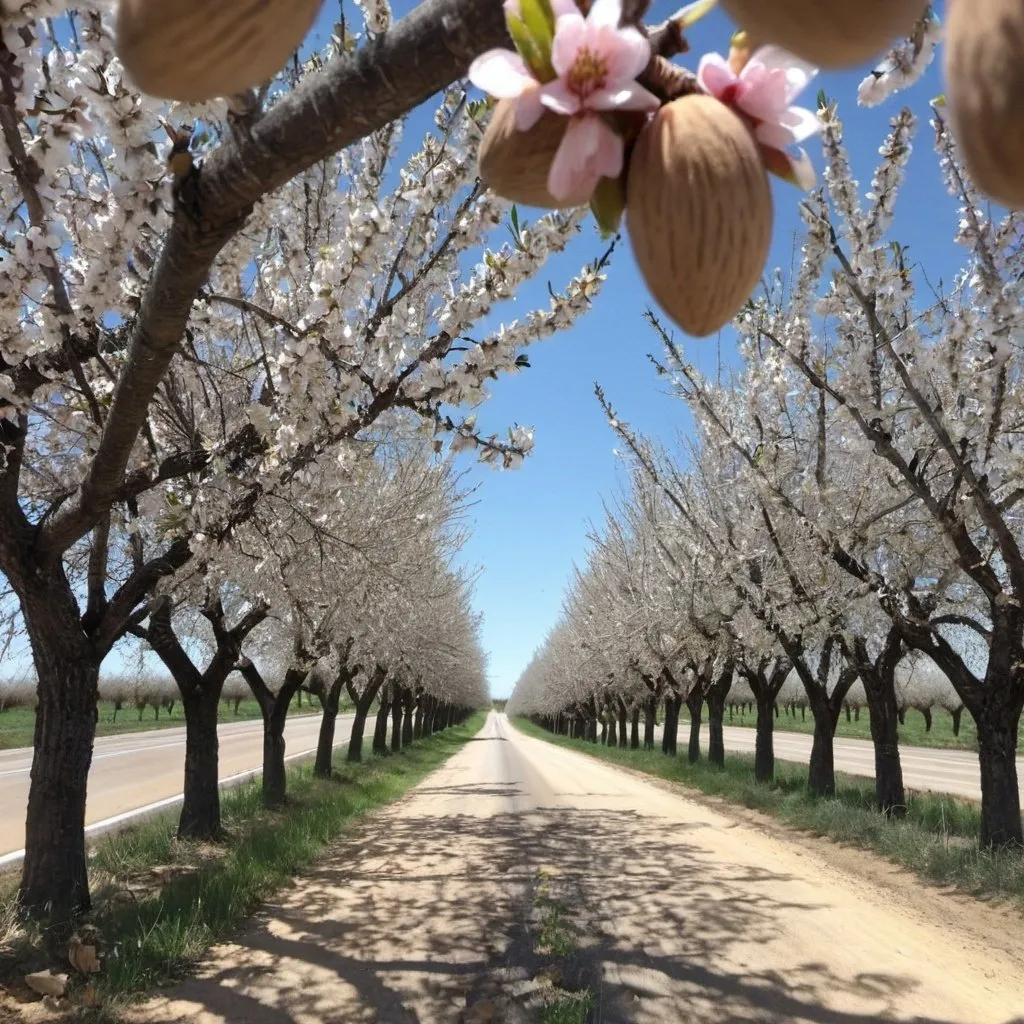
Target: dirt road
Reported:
point(685, 915)
point(138, 769)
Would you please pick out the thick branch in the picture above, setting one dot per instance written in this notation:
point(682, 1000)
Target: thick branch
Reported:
point(354, 96)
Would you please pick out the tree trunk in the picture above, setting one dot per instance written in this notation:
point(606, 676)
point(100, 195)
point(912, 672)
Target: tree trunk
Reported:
point(764, 740)
point(1000, 795)
point(634, 729)
point(417, 728)
point(396, 722)
point(821, 775)
point(325, 744)
point(604, 732)
point(612, 731)
point(54, 882)
point(274, 709)
point(274, 781)
point(200, 809)
point(623, 722)
point(883, 719)
point(716, 697)
point(927, 715)
point(355, 741)
point(408, 706)
point(670, 730)
point(380, 730)
point(956, 716)
point(695, 705)
point(650, 713)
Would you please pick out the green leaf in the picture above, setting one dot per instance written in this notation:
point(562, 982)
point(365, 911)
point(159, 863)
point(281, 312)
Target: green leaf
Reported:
point(514, 217)
point(540, 23)
point(537, 58)
point(607, 204)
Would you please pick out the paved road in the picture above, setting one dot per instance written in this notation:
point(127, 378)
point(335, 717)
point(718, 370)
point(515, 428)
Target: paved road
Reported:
point(141, 768)
point(681, 914)
point(924, 768)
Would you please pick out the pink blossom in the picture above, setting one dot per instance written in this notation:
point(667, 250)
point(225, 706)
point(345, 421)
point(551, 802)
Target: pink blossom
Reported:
point(764, 92)
point(506, 76)
point(597, 63)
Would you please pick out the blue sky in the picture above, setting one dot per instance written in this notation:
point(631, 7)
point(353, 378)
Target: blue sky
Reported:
point(530, 525)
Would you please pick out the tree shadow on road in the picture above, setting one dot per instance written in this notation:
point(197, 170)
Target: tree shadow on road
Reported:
point(418, 912)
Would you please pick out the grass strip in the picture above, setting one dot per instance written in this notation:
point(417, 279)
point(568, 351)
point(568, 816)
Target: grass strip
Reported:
point(937, 839)
point(556, 937)
point(160, 902)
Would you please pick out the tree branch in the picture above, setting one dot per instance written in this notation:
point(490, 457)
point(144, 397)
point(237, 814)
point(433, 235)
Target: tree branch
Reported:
point(355, 95)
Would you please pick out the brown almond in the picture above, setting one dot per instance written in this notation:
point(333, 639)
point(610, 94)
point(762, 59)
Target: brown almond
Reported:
point(985, 90)
point(194, 50)
point(516, 164)
point(828, 33)
point(699, 212)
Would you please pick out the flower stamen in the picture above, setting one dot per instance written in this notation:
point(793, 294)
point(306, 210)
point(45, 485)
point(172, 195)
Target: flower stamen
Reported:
point(588, 73)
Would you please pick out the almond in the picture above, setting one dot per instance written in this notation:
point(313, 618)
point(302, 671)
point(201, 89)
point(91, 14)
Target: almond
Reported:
point(985, 89)
point(828, 33)
point(193, 50)
point(515, 164)
point(699, 212)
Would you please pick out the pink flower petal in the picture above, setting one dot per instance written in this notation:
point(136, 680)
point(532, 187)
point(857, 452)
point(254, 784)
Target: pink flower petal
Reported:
point(774, 136)
point(799, 74)
point(628, 53)
point(501, 73)
point(560, 7)
point(570, 33)
point(627, 96)
point(610, 155)
point(574, 171)
point(763, 96)
point(557, 97)
point(528, 109)
point(802, 123)
point(605, 14)
point(714, 74)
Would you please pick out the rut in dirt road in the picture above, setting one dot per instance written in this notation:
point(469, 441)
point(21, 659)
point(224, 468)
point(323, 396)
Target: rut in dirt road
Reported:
point(683, 916)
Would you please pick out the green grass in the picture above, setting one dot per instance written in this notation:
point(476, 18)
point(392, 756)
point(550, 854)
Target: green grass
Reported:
point(554, 933)
point(17, 725)
point(568, 1008)
point(937, 839)
point(556, 937)
point(913, 732)
point(155, 925)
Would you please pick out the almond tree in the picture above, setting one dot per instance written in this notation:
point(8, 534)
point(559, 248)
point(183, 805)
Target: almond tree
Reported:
point(932, 390)
point(123, 296)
